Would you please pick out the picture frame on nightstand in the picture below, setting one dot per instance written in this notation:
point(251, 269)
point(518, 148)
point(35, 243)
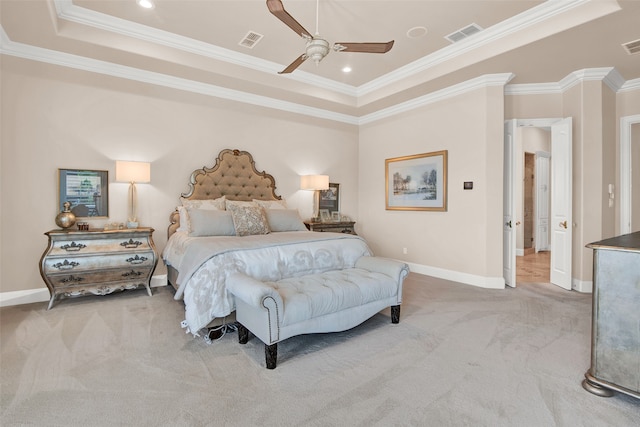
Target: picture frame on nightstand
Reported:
point(325, 216)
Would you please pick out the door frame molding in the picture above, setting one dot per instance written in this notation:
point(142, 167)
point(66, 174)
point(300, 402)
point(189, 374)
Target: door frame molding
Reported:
point(625, 171)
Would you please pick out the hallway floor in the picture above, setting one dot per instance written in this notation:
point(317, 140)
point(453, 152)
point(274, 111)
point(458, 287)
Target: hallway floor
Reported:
point(533, 268)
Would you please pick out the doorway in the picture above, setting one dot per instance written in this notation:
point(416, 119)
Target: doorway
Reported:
point(533, 260)
point(558, 134)
point(629, 175)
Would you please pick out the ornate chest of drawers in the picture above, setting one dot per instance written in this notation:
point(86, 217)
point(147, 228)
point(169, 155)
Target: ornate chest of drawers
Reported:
point(97, 262)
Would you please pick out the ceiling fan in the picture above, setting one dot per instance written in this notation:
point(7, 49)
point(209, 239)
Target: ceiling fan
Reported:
point(317, 48)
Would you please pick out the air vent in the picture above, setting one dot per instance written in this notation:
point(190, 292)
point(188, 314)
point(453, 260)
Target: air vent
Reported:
point(251, 39)
point(463, 33)
point(632, 47)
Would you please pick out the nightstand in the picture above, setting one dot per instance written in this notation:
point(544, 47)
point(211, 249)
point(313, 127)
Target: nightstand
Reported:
point(334, 227)
point(97, 262)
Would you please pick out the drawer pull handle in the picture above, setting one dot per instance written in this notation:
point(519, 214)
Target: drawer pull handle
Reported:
point(132, 273)
point(137, 259)
point(131, 244)
point(73, 247)
point(66, 265)
point(72, 278)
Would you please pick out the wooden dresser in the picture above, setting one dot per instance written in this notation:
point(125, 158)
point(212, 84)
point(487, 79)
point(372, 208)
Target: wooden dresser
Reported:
point(334, 227)
point(97, 262)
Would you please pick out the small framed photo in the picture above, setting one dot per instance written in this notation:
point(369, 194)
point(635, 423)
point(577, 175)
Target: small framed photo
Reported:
point(325, 216)
point(335, 216)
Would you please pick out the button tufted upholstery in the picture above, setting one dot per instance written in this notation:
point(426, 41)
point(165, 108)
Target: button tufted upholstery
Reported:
point(234, 175)
point(319, 294)
point(326, 302)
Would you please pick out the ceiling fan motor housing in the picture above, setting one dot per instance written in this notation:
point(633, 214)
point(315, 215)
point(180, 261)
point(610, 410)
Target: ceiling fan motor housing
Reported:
point(317, 49)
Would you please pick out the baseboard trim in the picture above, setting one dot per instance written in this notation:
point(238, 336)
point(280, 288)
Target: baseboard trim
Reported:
point(30, 296)
point(584, 286)
point(456, 276)
point(23, 297)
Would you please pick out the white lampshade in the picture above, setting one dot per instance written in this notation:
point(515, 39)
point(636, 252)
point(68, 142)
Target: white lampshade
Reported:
point(314, 182)
point(138, 172)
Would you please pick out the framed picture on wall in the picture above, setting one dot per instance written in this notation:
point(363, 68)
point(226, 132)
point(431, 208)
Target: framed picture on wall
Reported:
point(330, 198)
point(86, 190)
point(417, 182)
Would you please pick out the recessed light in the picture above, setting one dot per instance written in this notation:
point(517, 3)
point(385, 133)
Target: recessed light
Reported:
point(147, 4)
point(346, 69)
point(416, 32)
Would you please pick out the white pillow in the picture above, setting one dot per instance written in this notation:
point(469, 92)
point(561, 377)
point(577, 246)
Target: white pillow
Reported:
point(284, 220)
point(218, 203)
point(208, 204)
point(271, 204)
point(210, 222)
point(249, 219)
point(184, 219)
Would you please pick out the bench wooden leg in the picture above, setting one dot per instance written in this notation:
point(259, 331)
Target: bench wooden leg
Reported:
point(243, 334)
point(395, 314)
point(271, 355)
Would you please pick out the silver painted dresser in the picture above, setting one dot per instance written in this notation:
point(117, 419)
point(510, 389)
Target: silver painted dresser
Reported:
point(615, 334)
point(97, 262)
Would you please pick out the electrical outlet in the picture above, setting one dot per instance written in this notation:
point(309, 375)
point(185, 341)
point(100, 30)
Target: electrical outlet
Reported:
point(404, 251)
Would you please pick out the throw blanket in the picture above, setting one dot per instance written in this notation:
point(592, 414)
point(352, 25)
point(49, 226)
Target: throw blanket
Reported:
point(205, 263)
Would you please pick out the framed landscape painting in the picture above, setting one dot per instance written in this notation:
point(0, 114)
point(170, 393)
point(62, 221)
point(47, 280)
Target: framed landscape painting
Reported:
point(417, 182)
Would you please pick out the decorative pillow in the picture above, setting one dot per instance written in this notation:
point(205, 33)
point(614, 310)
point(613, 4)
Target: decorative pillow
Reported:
point(218, 203)
point(184, 219)
point(249, 219)
point(208, 204)
point(239, 203)
point(284, 220)
point(271, 204)
point(210, 222)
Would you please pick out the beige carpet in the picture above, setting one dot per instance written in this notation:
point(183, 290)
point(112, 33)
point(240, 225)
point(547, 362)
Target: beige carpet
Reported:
point(461, 356)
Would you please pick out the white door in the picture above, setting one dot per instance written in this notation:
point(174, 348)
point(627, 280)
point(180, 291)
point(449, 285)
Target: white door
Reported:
point(561, 203)
point(509, 207)
point(542, 201)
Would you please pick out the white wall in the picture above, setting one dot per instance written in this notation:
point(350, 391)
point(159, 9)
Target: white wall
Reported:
point(463, 243)
point(54, 117)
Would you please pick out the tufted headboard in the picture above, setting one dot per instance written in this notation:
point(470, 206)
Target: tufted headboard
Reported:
point(234, 175)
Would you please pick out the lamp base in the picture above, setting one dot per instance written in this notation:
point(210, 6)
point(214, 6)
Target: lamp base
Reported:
point(132, 224)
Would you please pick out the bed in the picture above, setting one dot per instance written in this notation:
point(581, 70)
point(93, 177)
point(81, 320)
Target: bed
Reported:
point(231, 220)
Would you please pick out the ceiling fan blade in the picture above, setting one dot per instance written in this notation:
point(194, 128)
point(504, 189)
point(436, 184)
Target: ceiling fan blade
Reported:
point(277, 9)
point(295, 64)
point(364, 47)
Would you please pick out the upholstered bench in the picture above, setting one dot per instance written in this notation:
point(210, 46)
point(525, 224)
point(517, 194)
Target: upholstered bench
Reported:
point(332, 301)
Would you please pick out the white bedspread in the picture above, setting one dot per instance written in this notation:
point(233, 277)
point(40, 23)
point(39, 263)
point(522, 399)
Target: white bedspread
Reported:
point(204, 263)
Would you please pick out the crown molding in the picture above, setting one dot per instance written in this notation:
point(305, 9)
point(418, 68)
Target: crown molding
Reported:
point(8, 47)
point(630, 85)
point(440, 95)
point(68, 11)
point(503, 29)
point(608, 75)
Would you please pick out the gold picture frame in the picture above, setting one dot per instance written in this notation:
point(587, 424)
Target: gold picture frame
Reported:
point(417, 182)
